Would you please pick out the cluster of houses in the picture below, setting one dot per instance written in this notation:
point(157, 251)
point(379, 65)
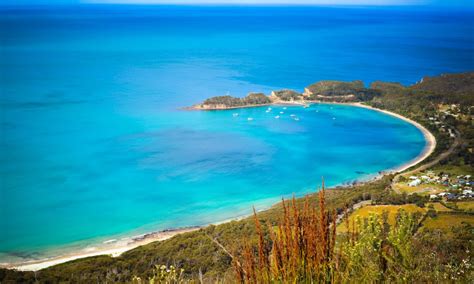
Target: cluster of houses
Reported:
point(457, 187)
point(438, 118)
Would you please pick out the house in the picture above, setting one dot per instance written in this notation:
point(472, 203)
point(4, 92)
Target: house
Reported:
point(451, 196)
point(467, 192)
point(414, 183)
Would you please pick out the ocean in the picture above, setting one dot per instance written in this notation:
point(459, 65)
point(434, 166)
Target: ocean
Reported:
point(95, 145)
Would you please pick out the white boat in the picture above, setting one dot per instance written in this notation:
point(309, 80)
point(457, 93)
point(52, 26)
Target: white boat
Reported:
point(269, 108)
point(235, 114)
point(297, 119)
point(306, 106)
point(292, 115)
point(267, 111)
point(282, 112)
point(250, 118)
point(333, 118)
point(284, 107)
point(277, 117)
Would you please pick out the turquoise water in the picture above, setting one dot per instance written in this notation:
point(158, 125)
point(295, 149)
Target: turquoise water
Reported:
point(94, 145)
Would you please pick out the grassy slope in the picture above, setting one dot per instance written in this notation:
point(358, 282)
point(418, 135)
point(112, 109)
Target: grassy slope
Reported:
point(391, 210)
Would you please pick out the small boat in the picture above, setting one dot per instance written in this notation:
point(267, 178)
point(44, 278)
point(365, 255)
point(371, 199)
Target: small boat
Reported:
point(292, 115)
point(250, 118)
point(277, 117)
point(267, 111)
point(269, 108)
point(235, 114)
point(333, 118)
point(306, 106)
point(284, 107)
point(282, 112)
point(296, 119)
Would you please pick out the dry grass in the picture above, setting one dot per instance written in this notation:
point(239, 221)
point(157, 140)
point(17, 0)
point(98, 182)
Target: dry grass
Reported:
point(465, 205)
point(438, 207)
point(301, 246)
point(392, 211)
point(422, 189)
point(447, 221)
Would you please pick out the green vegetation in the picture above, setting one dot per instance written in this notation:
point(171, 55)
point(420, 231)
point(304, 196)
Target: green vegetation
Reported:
point(334, 88)
point(381, 247)
point(390, 210)
point(228, 101)
point(162, 274)
point(287, 95)
point(446, 222)
point(340, 91)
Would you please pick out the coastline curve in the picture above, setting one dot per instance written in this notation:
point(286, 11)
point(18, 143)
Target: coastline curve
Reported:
point(117, 250)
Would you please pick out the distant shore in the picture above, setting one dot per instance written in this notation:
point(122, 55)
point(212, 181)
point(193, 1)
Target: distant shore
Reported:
point(276, 103)
point(117, 248)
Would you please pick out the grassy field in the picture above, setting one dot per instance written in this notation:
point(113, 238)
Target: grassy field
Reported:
point(462, 205)
point(466, 205)
point(422, 189)
point(446, 222)
point(453, 169)
point(392, 210)
point(438, 207)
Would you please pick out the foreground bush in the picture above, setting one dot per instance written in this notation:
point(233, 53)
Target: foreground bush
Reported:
point(302, 248)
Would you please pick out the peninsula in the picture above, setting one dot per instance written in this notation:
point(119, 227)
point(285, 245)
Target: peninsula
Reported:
point(323, 91)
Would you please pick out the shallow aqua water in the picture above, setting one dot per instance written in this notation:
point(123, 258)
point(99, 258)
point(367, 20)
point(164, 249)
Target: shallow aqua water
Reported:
point(93, 144)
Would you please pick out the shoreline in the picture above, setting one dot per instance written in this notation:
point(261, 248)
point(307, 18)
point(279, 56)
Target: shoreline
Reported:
point(115, 248)
point(275, 103)
point(111, 247)
point(429, 138)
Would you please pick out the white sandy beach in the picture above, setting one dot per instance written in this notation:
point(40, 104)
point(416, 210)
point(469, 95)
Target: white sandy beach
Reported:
point(115, 249)
point(112, 248)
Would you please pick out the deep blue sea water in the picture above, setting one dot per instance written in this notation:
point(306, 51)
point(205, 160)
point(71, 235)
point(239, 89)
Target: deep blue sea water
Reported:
point(93, 144)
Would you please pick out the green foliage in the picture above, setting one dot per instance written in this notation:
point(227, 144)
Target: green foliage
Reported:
point(224, 100)
point(380, 253)
point(335, 88)
point(341, 91)
point(451, 88)
point(388, 87)
point(228, 101)
point(255, 99)
point(162, 275)
point(287, 95)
